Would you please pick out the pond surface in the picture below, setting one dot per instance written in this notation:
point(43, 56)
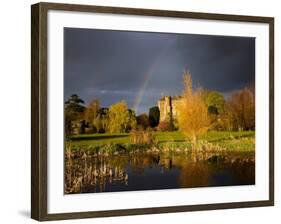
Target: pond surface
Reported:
point(151, 171)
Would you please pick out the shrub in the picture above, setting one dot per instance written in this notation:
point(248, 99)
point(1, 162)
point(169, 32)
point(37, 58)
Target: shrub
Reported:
point(164, 126)
point(141, 136)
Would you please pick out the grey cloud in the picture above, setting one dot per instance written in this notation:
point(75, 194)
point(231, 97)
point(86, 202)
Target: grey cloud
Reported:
point(113, 65)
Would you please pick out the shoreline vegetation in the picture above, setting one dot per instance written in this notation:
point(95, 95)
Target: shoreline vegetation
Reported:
point(213, 141)
point(92, 161)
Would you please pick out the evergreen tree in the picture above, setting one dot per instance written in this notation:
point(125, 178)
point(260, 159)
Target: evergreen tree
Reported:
point(154, 116)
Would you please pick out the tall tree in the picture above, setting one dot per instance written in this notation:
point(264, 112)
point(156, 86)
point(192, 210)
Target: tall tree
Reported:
point(216, 100)
point(143, 121)
point(120, 118)
point(154, 116)
point(132, 120)
point(74, 104)
point(102, 120)
point(73, 110)
point(91, 111)
point(241, 105)
point(193, 112)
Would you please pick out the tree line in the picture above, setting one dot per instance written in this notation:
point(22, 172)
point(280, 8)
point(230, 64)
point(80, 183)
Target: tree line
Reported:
point(118, 118)
point(200, 110)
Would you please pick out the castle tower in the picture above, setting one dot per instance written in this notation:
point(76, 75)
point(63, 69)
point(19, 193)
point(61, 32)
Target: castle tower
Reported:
point(168, 107)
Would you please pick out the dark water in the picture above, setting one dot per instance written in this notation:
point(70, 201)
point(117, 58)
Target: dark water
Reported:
point(149, 171)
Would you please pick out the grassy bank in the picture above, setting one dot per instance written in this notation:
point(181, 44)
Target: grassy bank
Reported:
point(230, 141)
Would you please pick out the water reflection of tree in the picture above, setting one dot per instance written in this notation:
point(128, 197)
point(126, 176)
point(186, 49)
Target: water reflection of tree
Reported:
point(194, 175)
point(200, 174)
point(244, 170)
point(93, 174)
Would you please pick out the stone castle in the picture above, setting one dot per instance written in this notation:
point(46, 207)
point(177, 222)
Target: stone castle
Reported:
point(168, 107)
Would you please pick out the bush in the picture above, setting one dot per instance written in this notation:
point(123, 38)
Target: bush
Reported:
point(143, 136)
point(164, 126)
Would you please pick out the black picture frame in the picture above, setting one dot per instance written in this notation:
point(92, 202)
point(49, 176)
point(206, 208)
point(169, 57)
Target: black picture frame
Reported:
point(39, 107)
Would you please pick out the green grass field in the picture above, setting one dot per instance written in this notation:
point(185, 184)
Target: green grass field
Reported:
point(237, 141)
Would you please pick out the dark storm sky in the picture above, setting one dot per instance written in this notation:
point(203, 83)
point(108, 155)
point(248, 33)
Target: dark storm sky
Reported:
point(140, 67)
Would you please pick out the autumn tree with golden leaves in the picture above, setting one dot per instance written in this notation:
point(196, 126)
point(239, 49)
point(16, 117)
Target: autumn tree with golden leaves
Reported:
point(91, 111)
point(121, 119)
point(193, 112)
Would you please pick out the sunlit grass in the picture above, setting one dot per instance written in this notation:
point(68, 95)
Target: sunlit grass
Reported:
point(232, 141)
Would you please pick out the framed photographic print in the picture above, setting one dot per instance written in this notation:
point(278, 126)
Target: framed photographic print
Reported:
point(139, 111)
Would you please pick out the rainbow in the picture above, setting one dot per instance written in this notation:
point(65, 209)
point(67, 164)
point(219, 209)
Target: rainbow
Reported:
point(148, 76)
point(143, 86)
